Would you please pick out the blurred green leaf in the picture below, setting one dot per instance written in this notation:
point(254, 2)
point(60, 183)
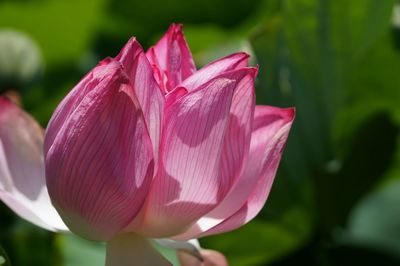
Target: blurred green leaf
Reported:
point(76, 251)
point(63, 29)
point(157, 14)
point(349, 255)
point(261, 241)
point(4, 260)
point(19, 240)
point(310, 48)
point(308, 144)
point(376, 219)
point(376, 79)
point(369, 157)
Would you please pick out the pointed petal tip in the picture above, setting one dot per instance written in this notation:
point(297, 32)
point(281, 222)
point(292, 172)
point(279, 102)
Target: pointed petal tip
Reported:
point(173, 31)
point(3, 99)
point(242, 54)
point(289, 114)
point(133, 43)
point(129, 51)
point(9, 110)
point(253, 71)
point(239, 57)
point(176, 27)
point(171, 58)
point(112, 69)
point(5, 104)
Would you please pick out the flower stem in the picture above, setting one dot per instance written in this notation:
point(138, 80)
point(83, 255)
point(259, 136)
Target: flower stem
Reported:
point(133, 250)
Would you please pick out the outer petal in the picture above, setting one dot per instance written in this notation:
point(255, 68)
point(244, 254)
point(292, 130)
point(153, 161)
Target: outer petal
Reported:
point(238, 132)
point(72, 100)
point(22, 180)
point(247, 197)
point(171, 58)
point(228, 63)
point(146, 88)
point(188, 182)
point(100, 166)
point(237, 137)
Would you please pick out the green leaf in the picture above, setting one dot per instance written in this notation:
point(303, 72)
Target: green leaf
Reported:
point(376, 79)
point(368, 158)
point(349, 255)
point(76, 251)
point(310, 50)
point(375, 221)
point(4, 260)
point(49, 22)
point(261, 241)
point(21, 237)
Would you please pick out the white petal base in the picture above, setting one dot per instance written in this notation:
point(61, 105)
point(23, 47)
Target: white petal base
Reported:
point(133, 250)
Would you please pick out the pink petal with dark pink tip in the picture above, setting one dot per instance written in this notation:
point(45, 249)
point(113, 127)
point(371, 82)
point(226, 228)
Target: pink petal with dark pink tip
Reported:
point(271, 127)
point(172, 58)
point(189, 182)
point(270, 131)
point(228, 63)
point(146, 88)
point(237, 136)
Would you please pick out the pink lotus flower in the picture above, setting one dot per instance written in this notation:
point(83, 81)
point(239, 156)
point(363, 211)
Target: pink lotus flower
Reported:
point(22, 180)
point(146, 145)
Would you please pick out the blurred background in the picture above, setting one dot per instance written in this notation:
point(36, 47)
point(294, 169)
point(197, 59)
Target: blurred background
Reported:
point(336, 199)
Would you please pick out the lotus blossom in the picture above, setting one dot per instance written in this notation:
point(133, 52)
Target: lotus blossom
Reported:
point(23, 188)
point(147, 146)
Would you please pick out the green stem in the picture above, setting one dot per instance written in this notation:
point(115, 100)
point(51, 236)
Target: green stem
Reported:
point(133, 250)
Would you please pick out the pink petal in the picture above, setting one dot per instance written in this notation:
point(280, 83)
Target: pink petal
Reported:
point(270, 131)
point(174, 95)
point(100, 165)
point(238, 132)
point(247, 197)
point(187, 184)
point(213, 69)
point(146, 88)
point(172, 58)
point(73, 99)
point(22, 180)
point(237, 138)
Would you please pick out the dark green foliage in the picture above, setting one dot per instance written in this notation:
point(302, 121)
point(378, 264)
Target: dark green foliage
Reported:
point(4, 260)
